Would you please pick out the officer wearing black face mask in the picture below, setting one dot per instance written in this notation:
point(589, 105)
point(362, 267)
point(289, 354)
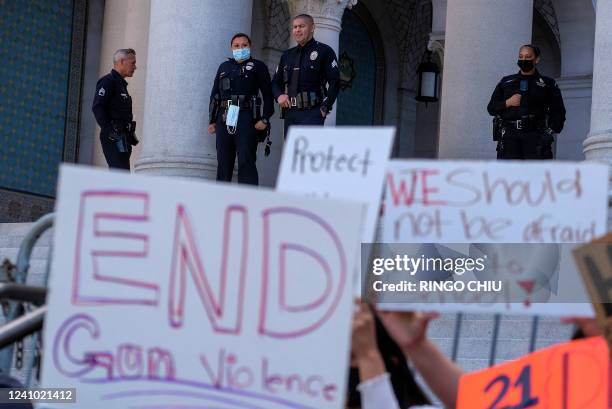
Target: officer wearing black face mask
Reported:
point(235, 111)
point(530, 109)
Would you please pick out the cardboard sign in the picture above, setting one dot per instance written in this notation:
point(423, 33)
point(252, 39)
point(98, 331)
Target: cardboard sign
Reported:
point(168, 293)
point(502, 202)
point(595, 263)
point(340, 162)
point(574, 375)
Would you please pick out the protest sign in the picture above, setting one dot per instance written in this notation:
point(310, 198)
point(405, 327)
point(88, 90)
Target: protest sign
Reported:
point(595, 263)
point(192, 294)
point(573, 375)
point(495, 203)
point(341, 162)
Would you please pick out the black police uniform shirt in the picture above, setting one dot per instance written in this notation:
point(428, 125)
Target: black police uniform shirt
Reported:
point(318, 67)
point(112, 101)
point(245, 78)
point(541, 100)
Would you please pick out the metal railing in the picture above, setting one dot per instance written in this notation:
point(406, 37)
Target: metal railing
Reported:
point(459, 317)
point(23, 304)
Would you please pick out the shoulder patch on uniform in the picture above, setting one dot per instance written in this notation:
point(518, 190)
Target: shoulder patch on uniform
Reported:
point(314, 55)
point(101, 91)
point(334, 64)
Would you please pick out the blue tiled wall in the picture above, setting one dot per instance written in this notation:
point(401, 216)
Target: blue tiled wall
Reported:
point(35, 38)
point(356, 104)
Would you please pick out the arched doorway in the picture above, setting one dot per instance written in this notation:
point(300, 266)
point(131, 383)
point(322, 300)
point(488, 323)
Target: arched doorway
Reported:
point(361, 60)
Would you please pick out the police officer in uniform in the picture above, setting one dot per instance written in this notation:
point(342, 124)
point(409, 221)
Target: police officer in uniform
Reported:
point(529, 108)
point(307, 79)
point(236, 87)
point(112, 107)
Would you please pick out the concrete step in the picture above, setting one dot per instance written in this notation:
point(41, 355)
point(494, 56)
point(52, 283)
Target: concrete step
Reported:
point(38, 253)
point(11, 234)
point(509, 328)
point(512, 341)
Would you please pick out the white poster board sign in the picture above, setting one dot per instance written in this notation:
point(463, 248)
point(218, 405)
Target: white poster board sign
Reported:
point(338, 162)
point(168, 293)
point(499, 202)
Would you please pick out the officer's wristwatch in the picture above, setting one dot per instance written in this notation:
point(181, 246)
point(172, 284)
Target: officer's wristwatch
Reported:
point(265, 121)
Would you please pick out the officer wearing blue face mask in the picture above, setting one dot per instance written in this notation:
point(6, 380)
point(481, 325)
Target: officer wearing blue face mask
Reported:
point(235, 111)
point(529, 110)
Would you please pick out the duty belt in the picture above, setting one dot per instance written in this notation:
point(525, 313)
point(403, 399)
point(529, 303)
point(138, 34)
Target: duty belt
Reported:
point(242, 101)
point(305, 100)
point(527, 124)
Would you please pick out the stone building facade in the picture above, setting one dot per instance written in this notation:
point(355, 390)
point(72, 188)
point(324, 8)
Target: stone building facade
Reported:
point(180, 44)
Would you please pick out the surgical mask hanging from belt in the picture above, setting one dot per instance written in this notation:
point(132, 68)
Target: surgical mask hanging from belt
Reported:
point(231, 121)
point(234, 105)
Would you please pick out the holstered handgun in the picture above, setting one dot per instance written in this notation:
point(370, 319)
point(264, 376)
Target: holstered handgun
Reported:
point(498, 128)
point(268, 144)
point(119, 135)
point(546, 143)
point(286, 82)
point(213, 109)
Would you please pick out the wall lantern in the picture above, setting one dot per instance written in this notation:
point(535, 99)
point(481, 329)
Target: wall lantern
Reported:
point(428, 73)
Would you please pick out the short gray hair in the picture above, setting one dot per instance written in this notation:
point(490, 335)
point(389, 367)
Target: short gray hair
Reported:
point(122, 54)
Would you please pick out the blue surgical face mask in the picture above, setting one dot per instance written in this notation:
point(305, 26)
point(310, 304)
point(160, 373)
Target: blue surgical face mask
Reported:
point(241, 54)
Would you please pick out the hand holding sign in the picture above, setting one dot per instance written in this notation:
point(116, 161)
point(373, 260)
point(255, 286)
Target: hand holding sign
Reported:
point(406, 328)
point(574, 375)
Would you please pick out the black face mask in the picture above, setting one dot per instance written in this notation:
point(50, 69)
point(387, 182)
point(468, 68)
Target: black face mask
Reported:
point(526, 65)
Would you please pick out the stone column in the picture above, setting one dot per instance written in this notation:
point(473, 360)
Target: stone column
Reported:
point(328, 23)
point(438, 27)
point(126, 25)
point(481, 46)
point(598, 145)
point(188, 39)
